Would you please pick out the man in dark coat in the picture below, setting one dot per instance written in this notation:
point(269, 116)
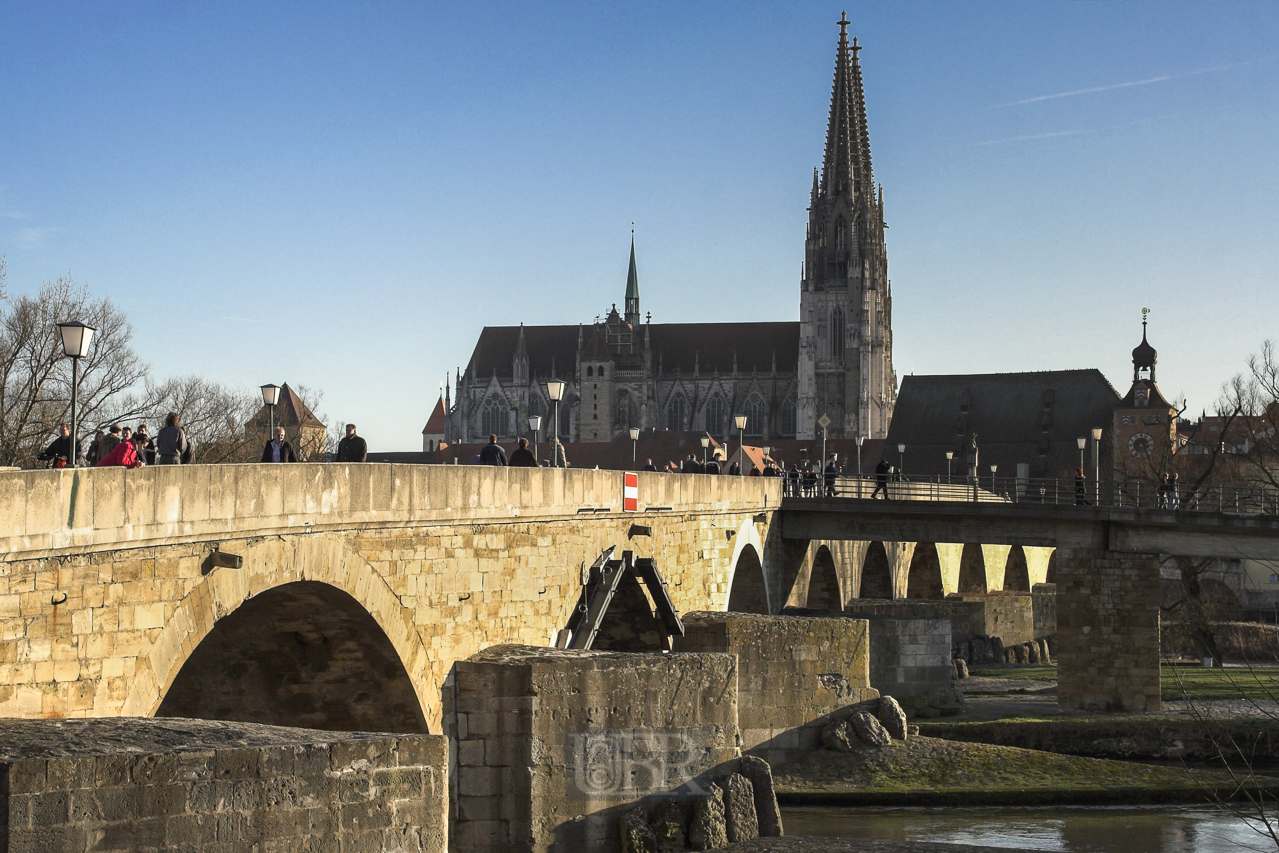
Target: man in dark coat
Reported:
point(523, 457)
point(352, 448)
point(832, 473)
point(650, 466)
point(882, 470)
point(278, 450)
point(59, 451)
point(493, 454)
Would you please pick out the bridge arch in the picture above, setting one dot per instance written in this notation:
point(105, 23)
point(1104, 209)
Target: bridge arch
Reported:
point(325, 559)
point(747, 580)
point(972, 570)
point(924, 578)
point(1016, 572)
point(877, 573)
point(823, 581)
point(302, 654)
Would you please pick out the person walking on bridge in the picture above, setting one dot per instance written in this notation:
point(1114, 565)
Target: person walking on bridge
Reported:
point(882, 470)
point(832, 473)
point(352, 448)
point(1081, 489)
point(523, 457)
point(493, 454)
point(278, 450)
point(171, 445)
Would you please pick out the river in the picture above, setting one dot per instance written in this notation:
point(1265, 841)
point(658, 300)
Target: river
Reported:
point(1084, 829)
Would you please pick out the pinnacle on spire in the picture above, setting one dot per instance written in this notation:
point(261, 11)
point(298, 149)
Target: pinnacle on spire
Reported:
point(846, 164)
point(632, 287)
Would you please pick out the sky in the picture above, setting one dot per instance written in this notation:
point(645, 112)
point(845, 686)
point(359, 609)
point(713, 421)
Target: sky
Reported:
point(342, 195)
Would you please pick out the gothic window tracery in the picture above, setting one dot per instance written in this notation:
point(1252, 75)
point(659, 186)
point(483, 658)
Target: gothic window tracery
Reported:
point(756, 412)
point(675, 412)
point(837, 334)
point(716, 414)
point(787, 422)
point(494, 418)
point(840, 228)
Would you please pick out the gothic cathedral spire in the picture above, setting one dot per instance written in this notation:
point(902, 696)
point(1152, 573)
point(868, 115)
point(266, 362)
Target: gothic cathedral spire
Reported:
point(846, 370)
point(632, 305)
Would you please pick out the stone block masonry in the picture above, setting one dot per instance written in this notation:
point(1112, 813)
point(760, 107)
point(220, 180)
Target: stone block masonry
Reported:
point(909, 657)
point(1107, 630)
point(553, 746)
point(796, 673)
point(195, 785)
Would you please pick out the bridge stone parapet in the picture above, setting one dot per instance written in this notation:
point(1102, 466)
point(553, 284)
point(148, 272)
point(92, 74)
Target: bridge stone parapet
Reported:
point(51, 512)
point(360, 585)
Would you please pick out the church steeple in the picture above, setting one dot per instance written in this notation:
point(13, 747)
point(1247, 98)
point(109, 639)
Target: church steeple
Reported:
point(632, 306)
point(846, 165)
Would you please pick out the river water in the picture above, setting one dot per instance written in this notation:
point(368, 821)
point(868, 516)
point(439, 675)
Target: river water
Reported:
point(1084, 829)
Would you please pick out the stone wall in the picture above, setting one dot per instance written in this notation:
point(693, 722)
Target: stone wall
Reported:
point(1108, 630)
point(796, 673)
point(1044, 598)
point(105, 630)
point(1007, 615)
point(909, 657)
point(194, 785)
point(552, 746)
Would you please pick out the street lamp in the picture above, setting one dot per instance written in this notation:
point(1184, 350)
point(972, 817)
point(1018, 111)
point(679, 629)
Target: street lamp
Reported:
point(76, 337)
point(271, 396)
point(993, 469)
point(859, 439)
point(1082, 442)
point(740, 420)
point(706, 442)
point(950, 454)
point(535, 424)
point(555, 390)
point(634, 439)
point(901, 461)
point(1096, 464)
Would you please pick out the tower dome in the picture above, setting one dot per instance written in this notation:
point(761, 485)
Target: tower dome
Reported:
point(1144, 355)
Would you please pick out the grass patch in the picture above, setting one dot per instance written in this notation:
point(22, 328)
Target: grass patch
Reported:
point(1176, 682)
point(924, 765)
point(1019, 673)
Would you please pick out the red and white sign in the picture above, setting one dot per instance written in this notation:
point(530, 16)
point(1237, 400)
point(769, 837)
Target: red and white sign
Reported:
point(630, 492)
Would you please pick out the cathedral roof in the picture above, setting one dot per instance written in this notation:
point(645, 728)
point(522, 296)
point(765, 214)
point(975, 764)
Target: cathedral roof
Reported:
point(435, 423)
point(597, 349)
point(708, 346)
point(1009, 413)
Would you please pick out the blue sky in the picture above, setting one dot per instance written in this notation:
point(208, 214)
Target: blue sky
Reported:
point(342, 195)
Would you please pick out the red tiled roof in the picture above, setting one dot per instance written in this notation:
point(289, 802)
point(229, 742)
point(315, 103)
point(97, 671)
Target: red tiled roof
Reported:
point(435, 423)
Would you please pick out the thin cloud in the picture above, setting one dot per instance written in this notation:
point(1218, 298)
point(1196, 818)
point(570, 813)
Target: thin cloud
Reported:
point(33, 238)
point(1131, 83)
point(1076, 132)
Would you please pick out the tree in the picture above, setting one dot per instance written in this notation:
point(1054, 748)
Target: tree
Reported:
point(35, 376)
point(212, 415)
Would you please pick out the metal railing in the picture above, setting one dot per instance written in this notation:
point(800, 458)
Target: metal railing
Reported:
point(1054, 492)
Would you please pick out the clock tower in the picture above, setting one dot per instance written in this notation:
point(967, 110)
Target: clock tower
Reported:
point(1145, 423)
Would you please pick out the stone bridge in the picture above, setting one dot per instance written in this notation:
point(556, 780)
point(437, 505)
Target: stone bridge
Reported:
point(360, 586)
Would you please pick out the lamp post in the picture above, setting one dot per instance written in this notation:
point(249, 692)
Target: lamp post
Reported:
point(271, 396)
point(740, 420)
point(1096, 464)
point(859, 439)
point(706, 442)
point(555, 390)
point(1082, 442)
point(634, 444)
point(535, 424)
point(993, 469)
point(950, 454)
point(901, 461)
point(76, 337)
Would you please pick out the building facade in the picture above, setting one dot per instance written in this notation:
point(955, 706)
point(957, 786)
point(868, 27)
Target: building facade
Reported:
point(625, 371)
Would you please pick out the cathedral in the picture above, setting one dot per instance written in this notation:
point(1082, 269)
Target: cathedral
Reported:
point(831, 370)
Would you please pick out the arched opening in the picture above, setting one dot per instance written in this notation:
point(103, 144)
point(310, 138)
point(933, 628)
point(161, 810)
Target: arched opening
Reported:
point(630, 624)
point(823, 582)
point(494, 419)
point(305, 654)
point(746, 592)
point(1051, 576)
point(924, 579)
point(716, 415)
point(837, 335)
point(675, 412)
point(972, 570)
point(877, 576)
point(787, 425)
point(1016, 574)
point(756, 415)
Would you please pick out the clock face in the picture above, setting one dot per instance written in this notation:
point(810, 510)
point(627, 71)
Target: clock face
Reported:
point(1141, 445)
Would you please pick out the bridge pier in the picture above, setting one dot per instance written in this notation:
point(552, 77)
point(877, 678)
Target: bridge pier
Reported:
point(1107, 630)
